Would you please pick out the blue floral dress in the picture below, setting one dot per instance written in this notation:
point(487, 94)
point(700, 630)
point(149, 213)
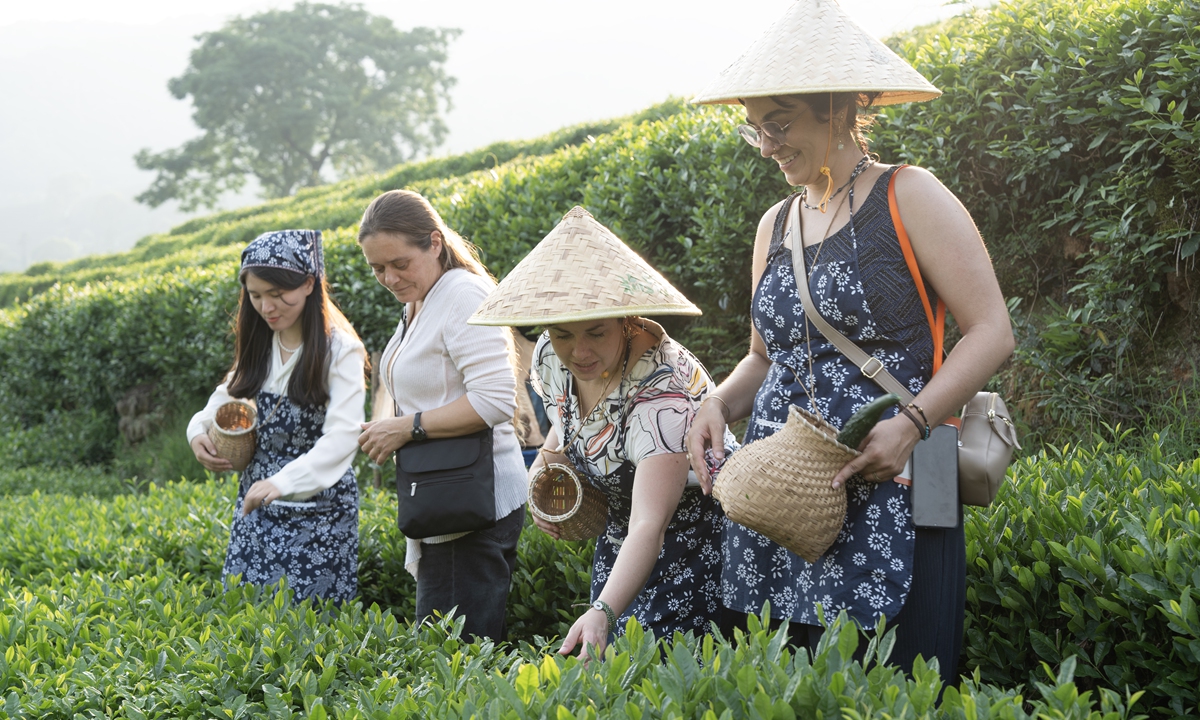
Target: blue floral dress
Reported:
point(862, 286)
point(313, 543)
point(648, 414)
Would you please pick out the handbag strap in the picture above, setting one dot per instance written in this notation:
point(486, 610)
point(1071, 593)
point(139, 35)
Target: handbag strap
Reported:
point(870, 365)
point(937, 323)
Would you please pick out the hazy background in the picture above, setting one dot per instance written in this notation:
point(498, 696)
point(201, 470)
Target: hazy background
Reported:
point(83, 87)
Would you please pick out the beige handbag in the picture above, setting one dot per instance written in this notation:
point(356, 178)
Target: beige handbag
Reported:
point(985, 446)
point(987, 435)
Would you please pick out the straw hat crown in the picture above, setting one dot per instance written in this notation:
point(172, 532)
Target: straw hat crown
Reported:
point(817, 48)
point(580, 271)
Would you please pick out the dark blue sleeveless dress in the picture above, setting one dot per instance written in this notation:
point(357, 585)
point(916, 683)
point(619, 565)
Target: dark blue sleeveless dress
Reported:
point(314, 543)
point(862, 286)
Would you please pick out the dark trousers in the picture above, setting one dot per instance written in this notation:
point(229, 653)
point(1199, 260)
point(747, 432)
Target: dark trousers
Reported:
point(473, 574)
point(931, 622)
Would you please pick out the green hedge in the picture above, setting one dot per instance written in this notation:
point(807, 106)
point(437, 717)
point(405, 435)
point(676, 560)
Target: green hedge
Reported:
point(324, 208)
point(1095, 555)
point(114, 607)
point(1068, 129)
point(1088, 556)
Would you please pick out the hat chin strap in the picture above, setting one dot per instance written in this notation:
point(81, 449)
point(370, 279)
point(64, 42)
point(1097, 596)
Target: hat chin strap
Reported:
point(824, 204)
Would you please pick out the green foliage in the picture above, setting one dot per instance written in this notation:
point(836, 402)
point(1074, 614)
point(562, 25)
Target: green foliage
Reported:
point(281, 94)
point(1093, 555)
point(91, 480)
point(1069, 130)
point(115, 608)
point(165, 455)
point(204, 241)
point(71, 353)
point(1066, 128)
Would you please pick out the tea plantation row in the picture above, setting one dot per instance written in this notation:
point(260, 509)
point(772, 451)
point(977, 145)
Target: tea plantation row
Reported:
point(202, 241)
point(1090, 561)
point(1068, 129)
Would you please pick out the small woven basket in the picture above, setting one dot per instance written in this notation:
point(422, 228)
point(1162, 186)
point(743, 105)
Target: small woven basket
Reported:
point(233, 432)
point(559, 494)
point(780, 486)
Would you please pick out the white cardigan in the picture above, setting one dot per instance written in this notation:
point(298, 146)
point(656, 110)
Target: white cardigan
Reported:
point(322, 466)
point(440, 358)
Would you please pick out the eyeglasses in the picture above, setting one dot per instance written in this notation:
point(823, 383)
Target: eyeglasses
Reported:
point(773, 131)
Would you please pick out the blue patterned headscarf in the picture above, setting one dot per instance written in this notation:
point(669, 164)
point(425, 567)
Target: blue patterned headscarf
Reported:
point(296, 250)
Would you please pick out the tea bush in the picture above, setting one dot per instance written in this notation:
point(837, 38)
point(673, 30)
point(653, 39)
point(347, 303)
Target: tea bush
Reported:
point(115, 608)
point(1068, 130)
point(321, 208)
point(1088, 559)
point(1095, 555)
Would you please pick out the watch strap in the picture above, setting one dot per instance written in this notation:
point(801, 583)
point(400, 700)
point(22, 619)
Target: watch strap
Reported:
point(418, 432)
point(608, 613)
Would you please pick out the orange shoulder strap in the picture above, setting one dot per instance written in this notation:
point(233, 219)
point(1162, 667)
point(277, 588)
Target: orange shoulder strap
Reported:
point(937, 325)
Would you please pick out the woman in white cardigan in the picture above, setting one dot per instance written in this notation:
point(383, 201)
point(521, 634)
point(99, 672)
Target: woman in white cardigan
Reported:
point(448, 379)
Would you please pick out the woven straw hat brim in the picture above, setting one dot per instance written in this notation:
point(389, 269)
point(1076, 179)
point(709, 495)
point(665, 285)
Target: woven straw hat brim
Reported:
point(817, 48)
point(580, 271)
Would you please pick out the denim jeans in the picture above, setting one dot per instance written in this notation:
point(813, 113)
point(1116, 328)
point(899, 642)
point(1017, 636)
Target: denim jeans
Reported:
point(473, 574)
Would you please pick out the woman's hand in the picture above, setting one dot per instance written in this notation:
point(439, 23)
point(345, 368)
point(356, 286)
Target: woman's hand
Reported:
point(381, 438)
point(591, 632)
point(262, 492)
point(546, 526)
point(206, 453)
point(707, 432)
point(885, 451)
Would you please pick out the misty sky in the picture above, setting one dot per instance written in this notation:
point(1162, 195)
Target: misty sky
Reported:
point(84, 84)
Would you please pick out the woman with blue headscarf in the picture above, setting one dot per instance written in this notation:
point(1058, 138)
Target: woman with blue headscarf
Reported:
point(299, 360)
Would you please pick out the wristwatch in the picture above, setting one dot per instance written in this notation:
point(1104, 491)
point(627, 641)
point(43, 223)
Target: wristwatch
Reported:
point(418, 432)
point(608, 613)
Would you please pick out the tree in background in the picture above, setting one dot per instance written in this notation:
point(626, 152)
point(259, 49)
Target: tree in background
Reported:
point(282, 94)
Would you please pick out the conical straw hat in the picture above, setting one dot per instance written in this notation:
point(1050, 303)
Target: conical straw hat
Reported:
point(580, 271)
point(816, 48)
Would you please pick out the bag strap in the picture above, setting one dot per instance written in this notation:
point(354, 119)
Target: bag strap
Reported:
point(868, 364)
point(937, 323)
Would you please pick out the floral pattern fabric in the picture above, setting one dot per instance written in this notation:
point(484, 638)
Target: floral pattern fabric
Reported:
point(314, 543)
point(861, 284)
point(648, 414)
point(296, 250)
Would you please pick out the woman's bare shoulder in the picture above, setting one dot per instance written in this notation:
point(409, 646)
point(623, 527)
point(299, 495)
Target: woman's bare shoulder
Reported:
point(916, 184)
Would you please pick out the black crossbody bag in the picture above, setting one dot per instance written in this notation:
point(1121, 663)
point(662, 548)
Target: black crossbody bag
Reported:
point(446, 486)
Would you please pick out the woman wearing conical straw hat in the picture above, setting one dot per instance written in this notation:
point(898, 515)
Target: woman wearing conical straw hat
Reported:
point(804, 86)
point(620, 394)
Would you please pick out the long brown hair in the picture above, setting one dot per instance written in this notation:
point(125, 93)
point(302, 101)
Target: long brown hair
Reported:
point(408, 213)
point(309, 383)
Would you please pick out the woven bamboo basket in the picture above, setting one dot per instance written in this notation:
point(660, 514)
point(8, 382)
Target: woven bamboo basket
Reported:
point(780, 486)
point(558, 493)
point(233, 432)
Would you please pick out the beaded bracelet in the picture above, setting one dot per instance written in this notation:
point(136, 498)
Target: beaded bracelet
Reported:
point(604, 608)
